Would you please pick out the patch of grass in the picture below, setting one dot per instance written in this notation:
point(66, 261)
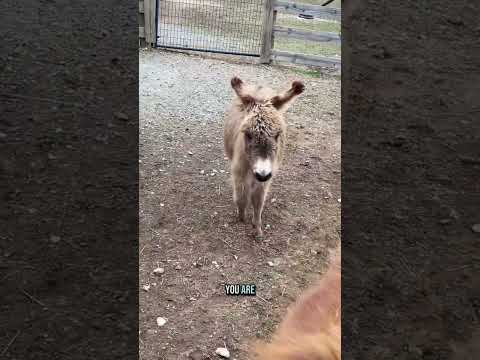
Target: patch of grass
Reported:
point(307, 47)
point(309, 25)
point(309, 73)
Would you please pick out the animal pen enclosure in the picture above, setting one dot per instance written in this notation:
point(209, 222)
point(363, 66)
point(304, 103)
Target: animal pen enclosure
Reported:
point(271, 30)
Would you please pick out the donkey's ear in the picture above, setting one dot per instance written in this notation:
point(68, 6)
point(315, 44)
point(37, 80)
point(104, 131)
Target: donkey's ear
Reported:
point(237, 85)
point(281, 101)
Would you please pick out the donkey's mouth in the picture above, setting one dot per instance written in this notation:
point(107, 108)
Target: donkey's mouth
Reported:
point(263, 178)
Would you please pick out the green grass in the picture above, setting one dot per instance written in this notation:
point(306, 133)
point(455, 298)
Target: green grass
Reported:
point(309, 73)
point(306, 47)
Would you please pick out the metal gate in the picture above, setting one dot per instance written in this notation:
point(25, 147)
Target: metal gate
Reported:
point(221, 26)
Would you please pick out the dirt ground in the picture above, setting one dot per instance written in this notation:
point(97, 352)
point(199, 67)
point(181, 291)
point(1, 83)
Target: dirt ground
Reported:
point(188, 224)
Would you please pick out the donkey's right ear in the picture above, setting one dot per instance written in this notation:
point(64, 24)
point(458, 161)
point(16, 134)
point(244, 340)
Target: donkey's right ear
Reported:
point(237, 85)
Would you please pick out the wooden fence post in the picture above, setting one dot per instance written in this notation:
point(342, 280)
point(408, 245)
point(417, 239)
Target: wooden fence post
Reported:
point(150, 29)
point(268, 23)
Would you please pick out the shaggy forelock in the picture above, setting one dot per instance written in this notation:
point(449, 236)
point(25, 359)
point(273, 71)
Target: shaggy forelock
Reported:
point(264, 122)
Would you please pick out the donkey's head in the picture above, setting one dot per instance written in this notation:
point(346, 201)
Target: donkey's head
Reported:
point(263, 128)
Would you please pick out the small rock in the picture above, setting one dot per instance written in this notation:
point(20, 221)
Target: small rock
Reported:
point(476, 228)
point(223, 352)
point(273, 263)
point(178, 267)
point(190, 153)
point(121, 116)
point(146, 287)
point(151, 332)
point(235, 257)
point(162, 204)
point(159, 271)
point(339, 200)
point(161, 321)
point(273, 200)
point(214, 263)
point(267, 227)
point(222, 171)
point(202, 172)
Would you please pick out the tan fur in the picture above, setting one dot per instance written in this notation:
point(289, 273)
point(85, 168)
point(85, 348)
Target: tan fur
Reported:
point(257, 110)
point(311, 330)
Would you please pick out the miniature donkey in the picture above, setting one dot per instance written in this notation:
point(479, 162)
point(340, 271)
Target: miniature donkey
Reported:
point(254, 138)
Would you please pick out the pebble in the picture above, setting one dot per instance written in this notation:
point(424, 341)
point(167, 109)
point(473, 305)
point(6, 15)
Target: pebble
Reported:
point(476, 228)
point(339, 200)
point(273, 200)
point(190, 153)
point(202, 172)
point(146, 287)
point(223, 352)
point(273, 263)
point(161, 321)
point(159, 271)
point(178, 267)
point(162, 204)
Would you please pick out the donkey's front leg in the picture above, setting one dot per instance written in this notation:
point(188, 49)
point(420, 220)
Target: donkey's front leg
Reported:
point(258, 200)
point(240, 197)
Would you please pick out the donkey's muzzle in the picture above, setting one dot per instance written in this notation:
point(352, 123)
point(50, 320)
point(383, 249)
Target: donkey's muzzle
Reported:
point(263, 177)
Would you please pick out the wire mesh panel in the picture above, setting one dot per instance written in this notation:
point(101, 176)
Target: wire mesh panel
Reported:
point(224, 26)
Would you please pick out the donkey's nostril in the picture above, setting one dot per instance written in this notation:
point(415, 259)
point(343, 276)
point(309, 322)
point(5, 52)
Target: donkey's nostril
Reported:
point(263, 176)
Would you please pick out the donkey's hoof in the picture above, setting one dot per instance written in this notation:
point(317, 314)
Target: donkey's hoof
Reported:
point(258, 237)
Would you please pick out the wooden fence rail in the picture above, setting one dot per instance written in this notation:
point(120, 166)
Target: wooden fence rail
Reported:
point(306, 35)
point(316, 11)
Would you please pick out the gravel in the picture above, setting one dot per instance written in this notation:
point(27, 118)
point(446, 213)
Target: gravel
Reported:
point(204, 90)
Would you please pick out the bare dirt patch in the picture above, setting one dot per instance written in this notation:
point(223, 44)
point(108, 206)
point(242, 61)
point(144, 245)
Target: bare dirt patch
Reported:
point(188, 224)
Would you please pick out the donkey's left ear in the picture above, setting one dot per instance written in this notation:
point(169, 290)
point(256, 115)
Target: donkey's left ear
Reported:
point(280, 102)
